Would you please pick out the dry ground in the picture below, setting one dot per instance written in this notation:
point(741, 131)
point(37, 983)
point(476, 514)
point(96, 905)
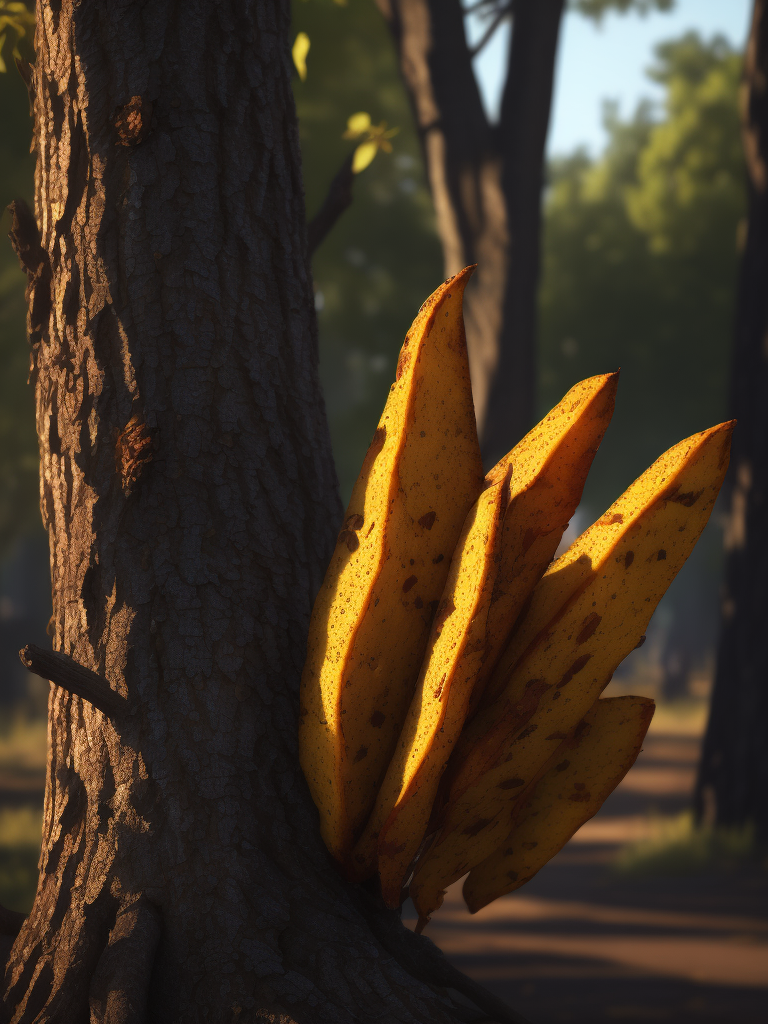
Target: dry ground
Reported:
point(583, 944)
point(580, 943)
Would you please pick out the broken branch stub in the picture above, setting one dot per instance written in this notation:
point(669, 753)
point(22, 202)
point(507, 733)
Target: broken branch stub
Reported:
point(65, 672)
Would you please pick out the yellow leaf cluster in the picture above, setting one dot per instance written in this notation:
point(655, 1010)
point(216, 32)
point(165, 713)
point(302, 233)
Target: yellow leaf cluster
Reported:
point(450, 716)
point(375, 137)
point(16, 18)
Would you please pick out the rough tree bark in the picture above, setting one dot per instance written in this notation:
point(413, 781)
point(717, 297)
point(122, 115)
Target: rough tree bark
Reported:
point(486, 182)
point(733, 774)
point(190, 498)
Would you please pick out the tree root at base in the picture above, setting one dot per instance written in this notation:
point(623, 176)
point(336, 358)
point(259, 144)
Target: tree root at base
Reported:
point(423, 960)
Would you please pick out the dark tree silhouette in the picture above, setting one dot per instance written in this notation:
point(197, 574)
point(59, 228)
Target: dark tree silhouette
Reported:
point(733, 775)
point(486, 182)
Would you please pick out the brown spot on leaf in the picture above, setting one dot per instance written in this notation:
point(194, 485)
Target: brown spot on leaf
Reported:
point(354, 522)
point(575, 668)
point(390, 849)
point(362, 753)
point(687, 499)
point(588, 627)
point(377, 719)
point(403, 360)
point(529, 537)
point(562, 766)
point(583, 724)
point(437, 559)
point(350, 539)
point(512, 876)
point(640, 642)
point(527, 732)
point(439, 688)
point(629, 559)
point(580, 798)
point(476, 826)
point(617, 517)
point(662, 555)
point(510, 783)
point(428, 520)
point(410, 582)
point(418, 603)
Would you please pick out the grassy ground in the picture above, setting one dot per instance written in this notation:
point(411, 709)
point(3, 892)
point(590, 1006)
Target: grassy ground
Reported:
point(19, 849)
point(678, 846)
point(22, 773)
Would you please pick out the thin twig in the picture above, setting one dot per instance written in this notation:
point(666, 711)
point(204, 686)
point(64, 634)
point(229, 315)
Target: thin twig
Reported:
point(336, 202)
point(27, 72)
point(501, 14)
point(478, 6)
point(65, 672)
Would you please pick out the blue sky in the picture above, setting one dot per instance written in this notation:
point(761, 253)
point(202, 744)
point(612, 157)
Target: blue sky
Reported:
point(608, 62)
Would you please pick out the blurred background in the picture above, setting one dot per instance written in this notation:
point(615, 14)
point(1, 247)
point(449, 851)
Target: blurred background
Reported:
point(643, 223)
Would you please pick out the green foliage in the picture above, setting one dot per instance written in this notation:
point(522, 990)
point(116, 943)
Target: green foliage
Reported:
point(23, 749)
point(680, 847)
point(597, 8)
point(382, 258)
point(19, 511)
point(640, 261)
point(689, 193)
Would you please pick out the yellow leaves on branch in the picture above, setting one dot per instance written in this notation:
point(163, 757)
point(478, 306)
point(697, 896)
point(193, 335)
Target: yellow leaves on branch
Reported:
point(450, 710)
point(375, 137)
point(16, 18)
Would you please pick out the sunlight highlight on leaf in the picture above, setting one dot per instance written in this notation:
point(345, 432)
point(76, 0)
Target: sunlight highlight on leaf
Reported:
point(299, 53)
point(357, 125)
point(364, 155)
point(378, 136)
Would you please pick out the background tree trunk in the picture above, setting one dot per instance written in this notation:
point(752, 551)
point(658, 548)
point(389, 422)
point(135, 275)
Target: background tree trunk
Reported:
point(733, 775)
point(486, 183)
point(189, 494)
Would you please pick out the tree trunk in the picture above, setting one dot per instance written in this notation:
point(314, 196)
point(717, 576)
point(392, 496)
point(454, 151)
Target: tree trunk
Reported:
point(486, 184)
point(733, 775)
point(189, 494)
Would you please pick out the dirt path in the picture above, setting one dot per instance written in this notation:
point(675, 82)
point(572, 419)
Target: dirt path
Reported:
point(582, 944)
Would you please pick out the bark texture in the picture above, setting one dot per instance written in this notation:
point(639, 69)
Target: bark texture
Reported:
point(190, 498)
point(733, 775)
point(486, 182)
